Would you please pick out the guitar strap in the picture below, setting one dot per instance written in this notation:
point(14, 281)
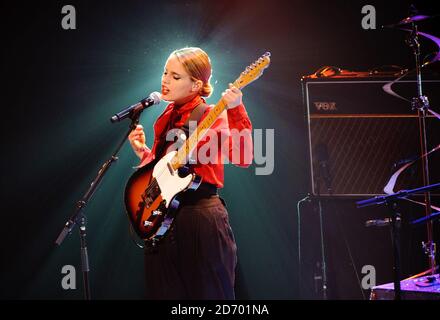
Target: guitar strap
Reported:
point(196, 115)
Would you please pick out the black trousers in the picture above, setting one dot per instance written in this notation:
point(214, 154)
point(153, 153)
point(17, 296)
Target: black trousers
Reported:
point(197, 257)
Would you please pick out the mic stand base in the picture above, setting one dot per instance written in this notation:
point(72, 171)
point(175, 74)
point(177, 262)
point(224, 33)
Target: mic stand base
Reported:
point(84, 259)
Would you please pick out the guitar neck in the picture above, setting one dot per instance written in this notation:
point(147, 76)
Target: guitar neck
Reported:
point(251, 73)
point(181, 157)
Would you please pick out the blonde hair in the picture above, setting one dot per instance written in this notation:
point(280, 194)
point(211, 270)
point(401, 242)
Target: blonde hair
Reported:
point(198, 66)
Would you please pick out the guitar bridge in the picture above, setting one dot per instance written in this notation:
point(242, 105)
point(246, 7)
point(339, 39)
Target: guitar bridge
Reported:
point(147, 201)
point(156, 213)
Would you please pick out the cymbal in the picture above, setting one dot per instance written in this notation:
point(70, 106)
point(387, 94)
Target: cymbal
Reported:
point(410, 19)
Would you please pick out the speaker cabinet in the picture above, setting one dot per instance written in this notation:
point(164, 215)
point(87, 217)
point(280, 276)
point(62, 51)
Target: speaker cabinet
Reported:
point(358, 134)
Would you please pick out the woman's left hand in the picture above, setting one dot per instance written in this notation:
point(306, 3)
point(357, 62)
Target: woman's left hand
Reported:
point(232, 96)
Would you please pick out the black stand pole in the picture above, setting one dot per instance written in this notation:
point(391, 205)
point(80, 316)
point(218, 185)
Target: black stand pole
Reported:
point(324, 176)
point(421, 103)
point(323, 262)
point(84, 259)
point(79, 218)
point(395, 232)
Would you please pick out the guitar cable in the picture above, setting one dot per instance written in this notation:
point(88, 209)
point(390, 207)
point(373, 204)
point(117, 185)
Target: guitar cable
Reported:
point(355, 269)
point(308, 199)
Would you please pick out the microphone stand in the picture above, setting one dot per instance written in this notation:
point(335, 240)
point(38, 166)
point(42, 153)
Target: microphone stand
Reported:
point(421, 103)
point(78, 217)
point(391, 201)
point(323, 262)
point(323, 176)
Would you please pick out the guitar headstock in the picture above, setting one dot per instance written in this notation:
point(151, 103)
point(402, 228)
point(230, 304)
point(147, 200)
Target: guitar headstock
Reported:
point(253, 71)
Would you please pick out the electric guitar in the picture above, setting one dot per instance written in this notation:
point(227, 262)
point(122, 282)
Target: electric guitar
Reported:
point(152, 192)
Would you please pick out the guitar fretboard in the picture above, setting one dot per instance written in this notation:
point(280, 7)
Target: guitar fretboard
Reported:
point(182, 155)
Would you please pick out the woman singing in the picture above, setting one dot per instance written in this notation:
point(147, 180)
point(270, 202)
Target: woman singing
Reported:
point(197, 257)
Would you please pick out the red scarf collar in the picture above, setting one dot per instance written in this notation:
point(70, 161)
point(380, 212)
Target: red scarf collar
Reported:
point(176, 114)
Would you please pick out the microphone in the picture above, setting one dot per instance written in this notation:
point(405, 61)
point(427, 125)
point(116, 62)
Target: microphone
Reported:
point(378, 222)
point(153, 98)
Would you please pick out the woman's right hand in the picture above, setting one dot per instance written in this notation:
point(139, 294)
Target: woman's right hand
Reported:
point(137, 139)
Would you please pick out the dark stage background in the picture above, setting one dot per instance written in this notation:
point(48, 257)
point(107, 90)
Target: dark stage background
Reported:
point(60, 87)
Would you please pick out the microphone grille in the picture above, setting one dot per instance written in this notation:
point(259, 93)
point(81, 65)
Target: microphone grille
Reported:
point(156, 96)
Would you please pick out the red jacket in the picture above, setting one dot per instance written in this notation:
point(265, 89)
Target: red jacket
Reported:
point(235, 118)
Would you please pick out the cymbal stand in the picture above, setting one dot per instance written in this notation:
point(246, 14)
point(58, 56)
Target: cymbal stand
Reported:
point(421, 103)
